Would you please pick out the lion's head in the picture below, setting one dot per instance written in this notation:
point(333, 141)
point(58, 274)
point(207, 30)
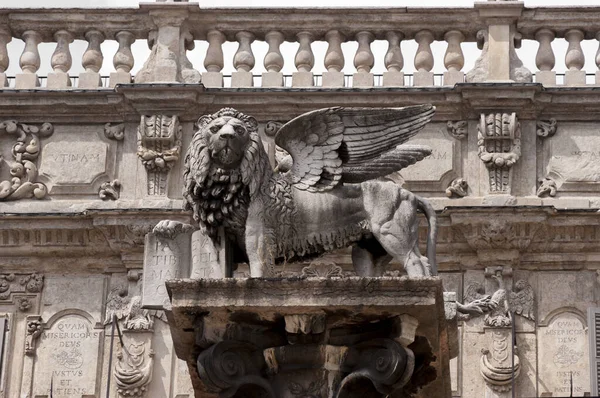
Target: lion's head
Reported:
point(225, 165)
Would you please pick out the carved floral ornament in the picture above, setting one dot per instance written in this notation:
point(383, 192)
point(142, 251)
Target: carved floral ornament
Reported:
point(133, 371)
point(23, 182)
point(458, 129)
point(10, 283)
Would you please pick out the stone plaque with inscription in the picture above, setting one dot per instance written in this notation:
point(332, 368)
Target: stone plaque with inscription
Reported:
point(441, 160)
point(207, 260)
point(164, 259)
point(563, 352)
point(67, 358)
point(74, 162)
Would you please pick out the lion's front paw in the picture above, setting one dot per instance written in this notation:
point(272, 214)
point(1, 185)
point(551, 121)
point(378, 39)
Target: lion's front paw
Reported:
point(170, 229)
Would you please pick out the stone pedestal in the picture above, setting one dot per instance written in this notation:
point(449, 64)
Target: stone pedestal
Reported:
point(26, 80)
point(302, 79)
point(212, 79)
point(422, 79)
point(453, 77)
point(241, 79)
point(119, 78)
point(333, 79)
point(393, 79)
point(272, 79)
point(58, 80)
point(575, 78)
point(3, 80)
point(362, 79)
point(89, 80)
point(326, 337)
point(546, 77)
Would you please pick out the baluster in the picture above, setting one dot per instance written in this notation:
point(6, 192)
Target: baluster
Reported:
point(363, 60)
point(574, 59)
point(189, 75)
point(597, 60)
point(273, 61)
point(214, 60)
point(5, 38)
point(454, 59)
point(29, 61)
point(304, 60)
point(423, 59)
point(394, 61)
point(544, 59)
point(243, 60)
point(92, 61)
point(61, 61)
point(334, 60)
point(123, 59)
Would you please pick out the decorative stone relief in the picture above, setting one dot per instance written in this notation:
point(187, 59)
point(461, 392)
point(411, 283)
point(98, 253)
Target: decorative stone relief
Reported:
point(547, 187)
point(498, 233)
point(34, 330)
point(322, 269)
point(159, 144)
point(116, 132)
point(458, 188)
point(458, 129)
point(496, 363)
point(499, 141)
point(110, 190)
point(499, 304)
point(23, 183)
point(133, 371)
point(24, 304)
point(272, 127)
point(129, 310)
point(11, 284)
point(546, 128)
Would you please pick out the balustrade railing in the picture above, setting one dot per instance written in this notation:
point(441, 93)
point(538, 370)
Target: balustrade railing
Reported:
point(171, 26)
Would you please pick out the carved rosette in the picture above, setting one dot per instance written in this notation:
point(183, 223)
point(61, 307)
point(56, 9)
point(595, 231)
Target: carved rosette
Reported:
point(23, 183)
point(159, 145)
point(499, 142)
point(548, 187)
point(114, 132)
point(133, 371)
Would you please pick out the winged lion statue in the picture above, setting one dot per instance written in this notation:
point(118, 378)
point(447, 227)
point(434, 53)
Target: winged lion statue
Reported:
point(331, 194)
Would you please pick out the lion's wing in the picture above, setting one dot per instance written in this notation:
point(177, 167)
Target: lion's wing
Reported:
point(352, 145)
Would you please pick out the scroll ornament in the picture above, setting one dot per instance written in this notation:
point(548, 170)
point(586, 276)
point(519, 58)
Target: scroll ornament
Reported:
point(23, 183)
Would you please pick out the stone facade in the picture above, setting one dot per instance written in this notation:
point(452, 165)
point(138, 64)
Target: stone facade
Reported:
point(88, 168)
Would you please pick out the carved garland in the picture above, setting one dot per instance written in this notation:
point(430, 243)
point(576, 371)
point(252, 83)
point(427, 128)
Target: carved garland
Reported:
point(23, 183)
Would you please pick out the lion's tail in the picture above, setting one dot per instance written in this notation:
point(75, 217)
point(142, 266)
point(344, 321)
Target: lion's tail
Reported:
point(426, 207)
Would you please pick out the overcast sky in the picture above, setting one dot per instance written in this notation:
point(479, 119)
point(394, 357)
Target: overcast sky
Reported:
point(141, 51)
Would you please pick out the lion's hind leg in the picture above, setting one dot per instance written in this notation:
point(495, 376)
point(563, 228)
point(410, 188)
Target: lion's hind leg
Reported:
point(369, 258)
point(395, 225)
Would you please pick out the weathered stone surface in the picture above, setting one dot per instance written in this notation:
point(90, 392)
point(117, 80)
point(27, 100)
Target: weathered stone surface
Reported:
point(442, 158)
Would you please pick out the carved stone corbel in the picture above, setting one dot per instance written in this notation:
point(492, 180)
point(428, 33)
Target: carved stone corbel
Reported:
point(159, 145)
point(546, 128)
point(34, 330)
point(23, 170)
point(499, 142)
point(458, 129)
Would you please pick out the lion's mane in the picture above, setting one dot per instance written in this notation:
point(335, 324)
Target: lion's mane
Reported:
point(220, 197)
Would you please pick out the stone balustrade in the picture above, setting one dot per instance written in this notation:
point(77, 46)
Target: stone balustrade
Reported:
point(173, 28)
